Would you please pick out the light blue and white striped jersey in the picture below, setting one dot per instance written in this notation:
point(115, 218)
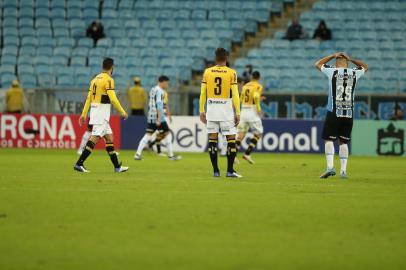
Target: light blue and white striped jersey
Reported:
point(156, 96)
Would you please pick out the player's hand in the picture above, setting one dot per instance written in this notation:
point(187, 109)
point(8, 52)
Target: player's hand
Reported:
point(82, 120)
point(346, 56)
point(125, 116)
point(203, 118)
point(338, 54)
point(237, 120)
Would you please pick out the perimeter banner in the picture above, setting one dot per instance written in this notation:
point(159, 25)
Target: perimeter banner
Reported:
point(383, 138)
point(188, 134)
point(47, 131)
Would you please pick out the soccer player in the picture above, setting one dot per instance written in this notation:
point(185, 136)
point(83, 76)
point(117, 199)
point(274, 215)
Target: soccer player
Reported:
point(219, 91)
point(157, 119)
point(101, 94)
point(168, 115)
point(339, 118)
point(251, 114)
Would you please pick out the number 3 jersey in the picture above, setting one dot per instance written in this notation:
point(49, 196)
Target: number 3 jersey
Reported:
point(219, 81)
point(342, 83)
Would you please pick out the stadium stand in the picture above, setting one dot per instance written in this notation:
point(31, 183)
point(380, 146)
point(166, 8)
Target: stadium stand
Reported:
point(44, 44)
point(369, 30)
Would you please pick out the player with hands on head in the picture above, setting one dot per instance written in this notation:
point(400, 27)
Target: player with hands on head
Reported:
point(340, 107)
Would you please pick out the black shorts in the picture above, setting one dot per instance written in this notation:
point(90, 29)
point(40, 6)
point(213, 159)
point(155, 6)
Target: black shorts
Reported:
point(152, 127)
point(337, 127)
point(137, 112)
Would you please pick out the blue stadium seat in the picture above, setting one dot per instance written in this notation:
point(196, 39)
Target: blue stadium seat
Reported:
point(43, 69)
point(26, 13)
point(65, 41)
point(74, 14)
point(105, 43)
point(176, 43)
point(58, 4)
point(58, 13)
point(10, 22)
point(85, 42)
point(98, 52)
point(132, 24)
point(65, 81)
point(28, 81)
point(59, 60)
point(190, 34)
point(172, 34)
point(29, 41)
point(126, 4)
point(139, 43)
point(44, 32)
point(46, 80)
point(46, 51)
point(80, 51)
point(217, 14)
point(10, 12)
point(78, 61)
point(42, 13)
point(122, 43)
point(78, 3)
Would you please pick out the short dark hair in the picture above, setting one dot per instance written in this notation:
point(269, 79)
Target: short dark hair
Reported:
point(256, 75)
point(163, 78)
point(221, 55)
point(108, 63)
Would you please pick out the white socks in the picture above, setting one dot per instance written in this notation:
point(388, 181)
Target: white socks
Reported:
point(85, 138)
point(168, 143)
point(144, 141)
point(343, 152)
point(329, 151)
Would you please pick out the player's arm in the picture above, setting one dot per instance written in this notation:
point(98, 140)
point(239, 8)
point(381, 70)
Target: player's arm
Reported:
point(326, 59)
point(358, 63)
point(159, 107)
point(236, 98)
point(116, 103)
point(86, 108)
point(114, 100)
point(202, 99)
point(257, 100)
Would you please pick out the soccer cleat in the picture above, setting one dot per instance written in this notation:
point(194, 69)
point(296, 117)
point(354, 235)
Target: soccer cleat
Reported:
point(175, 158)
point(233, 175)
point(137, 157)
point(328, 173)
point(343, 175)
point(249, 159)
point(80, 168)
point(216, 174)
point(121, 169)
point(236, 161)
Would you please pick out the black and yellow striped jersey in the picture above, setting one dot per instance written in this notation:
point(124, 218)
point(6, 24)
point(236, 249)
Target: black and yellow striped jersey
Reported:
point(99, 86)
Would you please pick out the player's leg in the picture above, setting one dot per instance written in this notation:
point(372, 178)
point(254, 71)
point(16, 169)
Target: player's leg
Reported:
point(112, 153)
point(344, 134)
point(228, 128)
point(212, 130)
point(85, 138)
point(91, 143)
point(157, 142)
point(144, 141)
point(167, 140)
point(257, 130)
point(242, 131)
point(329, 134)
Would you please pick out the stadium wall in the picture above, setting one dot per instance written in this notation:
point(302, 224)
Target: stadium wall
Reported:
point(369, 137)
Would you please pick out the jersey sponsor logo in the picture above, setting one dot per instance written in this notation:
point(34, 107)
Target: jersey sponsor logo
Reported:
point(216, 102)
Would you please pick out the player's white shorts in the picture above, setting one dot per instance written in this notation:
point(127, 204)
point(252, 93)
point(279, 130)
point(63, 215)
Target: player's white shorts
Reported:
point(223, 127)
point(255, 126)
point(101, 129)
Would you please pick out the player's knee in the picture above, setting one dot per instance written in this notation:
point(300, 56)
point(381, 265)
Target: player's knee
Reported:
point(213, 136)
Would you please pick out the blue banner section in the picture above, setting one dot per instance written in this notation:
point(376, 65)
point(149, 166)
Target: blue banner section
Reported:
point(290, 136)
point(189, 135)
point(132, 130)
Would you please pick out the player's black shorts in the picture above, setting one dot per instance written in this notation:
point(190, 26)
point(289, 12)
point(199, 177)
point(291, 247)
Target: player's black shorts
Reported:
point(137, 112)
point(89, 126)
point(337, 127)
point(163, 128)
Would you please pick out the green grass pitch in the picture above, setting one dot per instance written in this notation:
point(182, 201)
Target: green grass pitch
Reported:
point(174, 215)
